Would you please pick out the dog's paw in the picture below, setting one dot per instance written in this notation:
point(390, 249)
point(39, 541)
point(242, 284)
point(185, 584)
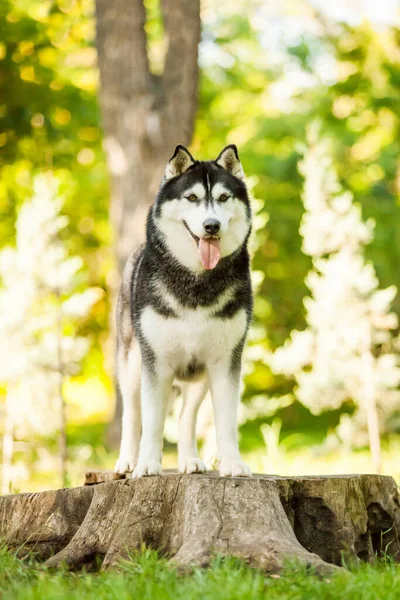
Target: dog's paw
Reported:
point(146, 469)
point(125, 464)
point(233, 468)
point(191, 465)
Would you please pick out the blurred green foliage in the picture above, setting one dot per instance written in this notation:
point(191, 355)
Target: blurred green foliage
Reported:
point(50, 119)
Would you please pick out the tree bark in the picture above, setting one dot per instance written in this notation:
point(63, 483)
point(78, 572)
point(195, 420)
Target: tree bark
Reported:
point(8, 446)
point(43, 523)
point(144, 116)
point(369, 401)
point(62, 437)
point(264, 520)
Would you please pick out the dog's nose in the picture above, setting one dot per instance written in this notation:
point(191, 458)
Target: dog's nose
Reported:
point(212, 226)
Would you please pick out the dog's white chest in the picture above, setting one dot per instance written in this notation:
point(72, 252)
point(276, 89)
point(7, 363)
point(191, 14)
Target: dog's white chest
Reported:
point(192, 334)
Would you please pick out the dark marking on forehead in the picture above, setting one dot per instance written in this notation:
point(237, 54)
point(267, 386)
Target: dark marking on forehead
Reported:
point(209, 198)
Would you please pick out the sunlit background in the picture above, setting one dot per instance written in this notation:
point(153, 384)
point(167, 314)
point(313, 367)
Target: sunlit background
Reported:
point(310, 93)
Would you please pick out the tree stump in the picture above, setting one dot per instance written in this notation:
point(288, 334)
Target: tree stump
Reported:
point(264, 520)
point(43, 522)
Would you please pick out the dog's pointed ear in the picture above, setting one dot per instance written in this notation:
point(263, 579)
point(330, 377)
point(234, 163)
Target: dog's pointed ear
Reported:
point(180, 161)
point(229, 159)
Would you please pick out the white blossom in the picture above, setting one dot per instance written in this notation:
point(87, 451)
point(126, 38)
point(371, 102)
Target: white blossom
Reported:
point(38, 297)
point(346, 352)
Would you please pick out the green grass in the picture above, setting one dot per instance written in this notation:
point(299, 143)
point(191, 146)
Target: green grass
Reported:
point(147, 577)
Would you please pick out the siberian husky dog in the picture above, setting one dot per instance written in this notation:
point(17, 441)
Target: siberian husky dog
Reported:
point(183, 313)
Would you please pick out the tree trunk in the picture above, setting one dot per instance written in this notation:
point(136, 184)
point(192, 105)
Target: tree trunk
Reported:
point(262, 519)
point(144, 116)
point(62, 436)
point(8, 446)
point(374, 433)
point(369, 402)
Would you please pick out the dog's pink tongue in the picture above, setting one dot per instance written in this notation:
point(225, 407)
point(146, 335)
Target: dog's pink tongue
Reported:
point(209, 252)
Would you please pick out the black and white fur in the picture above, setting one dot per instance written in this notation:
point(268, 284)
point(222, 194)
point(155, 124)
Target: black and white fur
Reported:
point(182, 324)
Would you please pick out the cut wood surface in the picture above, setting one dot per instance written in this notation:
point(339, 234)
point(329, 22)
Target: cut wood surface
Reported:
point(263, 519)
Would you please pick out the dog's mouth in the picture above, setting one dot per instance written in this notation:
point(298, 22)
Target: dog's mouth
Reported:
point(196, 239)
point(208, 247)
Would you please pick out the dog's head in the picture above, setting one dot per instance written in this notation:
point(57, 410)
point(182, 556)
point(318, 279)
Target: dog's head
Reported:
point(203, 208)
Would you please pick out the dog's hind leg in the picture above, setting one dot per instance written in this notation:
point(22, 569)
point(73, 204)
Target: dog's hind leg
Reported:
point(193, 395)
point(128, 372)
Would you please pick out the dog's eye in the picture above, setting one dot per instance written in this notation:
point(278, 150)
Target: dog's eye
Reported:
point(223, 198)
point(192, 197)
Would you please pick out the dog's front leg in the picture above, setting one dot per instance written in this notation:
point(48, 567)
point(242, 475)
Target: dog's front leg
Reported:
point(225, 392)
point(155, 393)
point(192, 396)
